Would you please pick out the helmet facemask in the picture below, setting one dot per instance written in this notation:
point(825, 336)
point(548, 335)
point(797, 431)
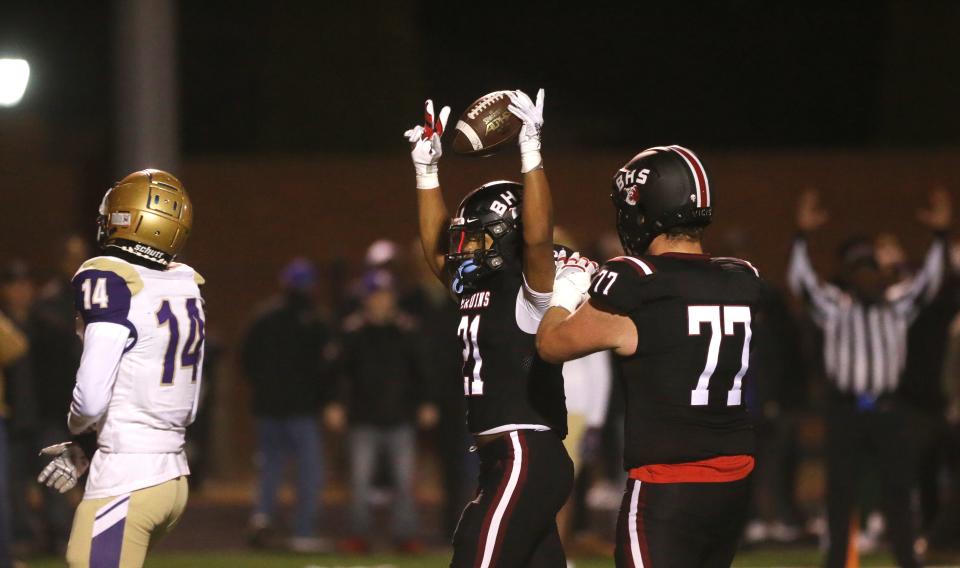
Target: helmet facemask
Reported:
point(485, 235)
point(477, 251)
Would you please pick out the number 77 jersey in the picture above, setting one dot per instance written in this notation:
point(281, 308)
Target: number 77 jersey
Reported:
point(158, 380)
point(694, 317)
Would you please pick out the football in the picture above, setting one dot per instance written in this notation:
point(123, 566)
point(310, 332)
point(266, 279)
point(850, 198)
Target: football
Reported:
point(486, 126)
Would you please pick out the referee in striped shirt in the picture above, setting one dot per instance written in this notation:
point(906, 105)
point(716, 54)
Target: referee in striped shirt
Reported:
point(864, 321)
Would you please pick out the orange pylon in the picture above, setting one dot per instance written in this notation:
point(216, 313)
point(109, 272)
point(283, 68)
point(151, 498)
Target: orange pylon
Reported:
point(853, 555)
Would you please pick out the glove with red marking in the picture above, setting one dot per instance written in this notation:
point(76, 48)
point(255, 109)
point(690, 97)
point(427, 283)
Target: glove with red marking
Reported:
point(427, 150)
point(572, 283)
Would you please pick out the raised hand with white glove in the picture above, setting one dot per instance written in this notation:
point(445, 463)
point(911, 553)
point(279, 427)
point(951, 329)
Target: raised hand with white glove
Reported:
point(427, 150)
point(572, 284)
point(532, 116)
point(68, 465)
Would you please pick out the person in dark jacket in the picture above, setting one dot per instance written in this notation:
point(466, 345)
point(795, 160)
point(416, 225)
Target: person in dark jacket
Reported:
point(283, 356)
point(13, 347)
point(437, 317)
point(381, 395)
point(16, 298)
point(55, 350)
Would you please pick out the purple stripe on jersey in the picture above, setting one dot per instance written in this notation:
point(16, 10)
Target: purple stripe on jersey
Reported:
point(112, 507)
point(106, 547)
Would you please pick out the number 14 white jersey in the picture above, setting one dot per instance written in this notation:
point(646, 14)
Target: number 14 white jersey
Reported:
point(156, 388)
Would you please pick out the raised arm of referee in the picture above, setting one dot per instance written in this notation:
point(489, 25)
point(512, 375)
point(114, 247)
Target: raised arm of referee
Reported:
point(865, 324)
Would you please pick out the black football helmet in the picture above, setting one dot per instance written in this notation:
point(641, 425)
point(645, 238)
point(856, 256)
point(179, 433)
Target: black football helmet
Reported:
point(492, 210)
point(659, 188)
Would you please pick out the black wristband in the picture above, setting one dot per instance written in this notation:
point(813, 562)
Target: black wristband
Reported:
point(86, 442)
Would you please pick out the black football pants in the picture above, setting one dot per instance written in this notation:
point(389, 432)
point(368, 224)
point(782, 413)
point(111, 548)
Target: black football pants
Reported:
point(684, 525)
point(525, 478)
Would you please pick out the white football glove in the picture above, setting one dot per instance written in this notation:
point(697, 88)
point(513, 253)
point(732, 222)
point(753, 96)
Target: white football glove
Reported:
point(68, 465)
point(572, 284)
point(426, 145)
point(532, 116)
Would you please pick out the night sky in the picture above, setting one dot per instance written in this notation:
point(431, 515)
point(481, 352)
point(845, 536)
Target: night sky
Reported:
point(281, 77)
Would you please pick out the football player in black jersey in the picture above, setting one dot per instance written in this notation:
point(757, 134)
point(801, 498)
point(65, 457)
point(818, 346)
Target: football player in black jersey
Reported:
point(497, 256)
point(680, 322)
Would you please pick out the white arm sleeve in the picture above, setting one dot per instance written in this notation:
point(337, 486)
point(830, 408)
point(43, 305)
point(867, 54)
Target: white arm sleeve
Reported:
point(803, 281)
point(601, 377)
point(587, 384)
point(531, 305)
point(103, 345)
point(910, 297)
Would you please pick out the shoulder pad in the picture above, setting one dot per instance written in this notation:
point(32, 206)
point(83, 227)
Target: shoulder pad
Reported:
point(620, 283)
point(197, 278)
point(641, 266)
point(735, 265)
point(124, 270)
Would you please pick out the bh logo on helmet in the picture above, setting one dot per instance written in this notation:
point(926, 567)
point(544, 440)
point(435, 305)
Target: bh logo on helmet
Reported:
point(500, 207)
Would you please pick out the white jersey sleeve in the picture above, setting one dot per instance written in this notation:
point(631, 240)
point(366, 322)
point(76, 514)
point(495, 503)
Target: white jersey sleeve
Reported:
point(531, 305)
point(103, 345)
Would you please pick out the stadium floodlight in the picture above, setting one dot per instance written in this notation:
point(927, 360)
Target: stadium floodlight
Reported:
point(14, 75)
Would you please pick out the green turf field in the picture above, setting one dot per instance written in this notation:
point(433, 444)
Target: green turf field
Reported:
point(257, 560)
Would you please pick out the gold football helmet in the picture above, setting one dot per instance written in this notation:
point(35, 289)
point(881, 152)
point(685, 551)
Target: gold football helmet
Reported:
point(147, 214)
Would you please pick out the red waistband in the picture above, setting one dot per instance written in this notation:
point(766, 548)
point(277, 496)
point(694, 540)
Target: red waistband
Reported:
point(714, 470)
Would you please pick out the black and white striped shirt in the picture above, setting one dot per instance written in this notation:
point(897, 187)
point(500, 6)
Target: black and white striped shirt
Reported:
point(865, 345)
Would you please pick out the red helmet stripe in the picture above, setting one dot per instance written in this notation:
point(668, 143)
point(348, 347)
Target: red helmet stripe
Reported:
point(699, 175)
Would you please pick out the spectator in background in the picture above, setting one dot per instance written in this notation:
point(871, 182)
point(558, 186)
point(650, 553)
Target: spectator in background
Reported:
point(943, 534)
point(437, 315)
point(283, 356)
point(382, 254)
point(13, 346)
point(55, 357)
point(586, 383)
point(774, 392)
point(16, 298)
point(17, 293)
point(922, 386)
point(381, 395)
point(865, 326)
